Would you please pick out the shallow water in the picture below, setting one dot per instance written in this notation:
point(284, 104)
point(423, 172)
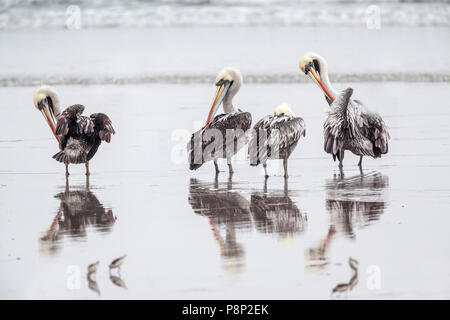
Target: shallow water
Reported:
point(187, 235)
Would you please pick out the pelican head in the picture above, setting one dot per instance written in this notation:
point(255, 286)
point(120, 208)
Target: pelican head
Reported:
point(228, 82)
point(315, 66)
point(285, 109)
point(47, 102)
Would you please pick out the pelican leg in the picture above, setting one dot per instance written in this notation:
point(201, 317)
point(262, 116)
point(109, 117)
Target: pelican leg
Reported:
point(341, 158)
point(216, 166)
point(285, 168)
point(87, 183)
point(87, 168)
point(286, 187)
point(67, 184)
point(67, 169)
point(230, 167)
point(360, 161)
point(265, 170)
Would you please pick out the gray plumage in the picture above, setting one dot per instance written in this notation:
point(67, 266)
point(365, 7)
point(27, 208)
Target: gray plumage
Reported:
point(92, 268)
point(80, 135)
point(275, 137)
point(203, 146)
point(117, 281)
point(116, 263)
point(350, 126)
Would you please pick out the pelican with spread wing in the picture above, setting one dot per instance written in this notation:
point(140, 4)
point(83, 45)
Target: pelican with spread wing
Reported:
point(78, 136)
point(225, 134)
point(349, 125)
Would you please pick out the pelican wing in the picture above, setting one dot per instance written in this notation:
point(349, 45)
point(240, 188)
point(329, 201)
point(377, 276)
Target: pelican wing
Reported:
point(342, 127)
point(374, 129)
point(69, 122)
point(274, 134)
point(351, 126)
point(102, 126)
point(239, 122)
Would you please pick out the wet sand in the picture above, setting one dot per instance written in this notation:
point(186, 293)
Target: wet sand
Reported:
point(189, 236)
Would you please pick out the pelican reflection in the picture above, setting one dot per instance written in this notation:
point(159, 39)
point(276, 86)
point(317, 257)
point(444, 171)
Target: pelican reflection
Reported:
point(227, 212)
point(354, 203)
point(275, 212)
point(78, 211)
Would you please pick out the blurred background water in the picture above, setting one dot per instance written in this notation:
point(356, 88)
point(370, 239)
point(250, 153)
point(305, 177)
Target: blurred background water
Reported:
point(35, 14)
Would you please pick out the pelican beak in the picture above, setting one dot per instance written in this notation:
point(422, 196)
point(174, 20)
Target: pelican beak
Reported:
point(49, 117)
point(309, 67)
point(315, 76)
point(221, 91)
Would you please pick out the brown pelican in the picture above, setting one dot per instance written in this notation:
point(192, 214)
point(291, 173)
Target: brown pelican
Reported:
point(275, 137)
point(349, 125)
point(225, 134)
point(79, 136)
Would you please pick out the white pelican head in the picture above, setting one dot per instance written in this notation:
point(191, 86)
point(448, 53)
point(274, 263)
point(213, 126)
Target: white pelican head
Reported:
point(315, 66)
point(228, 83)
point(47, 102)
point(285, 109)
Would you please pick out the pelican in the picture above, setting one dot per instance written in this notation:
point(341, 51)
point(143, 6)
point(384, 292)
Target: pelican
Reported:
point(349, 125)
point(275, 137)
point(225, 134)
point(79, 136)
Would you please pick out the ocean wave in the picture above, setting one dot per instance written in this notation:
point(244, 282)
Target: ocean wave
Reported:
point(46, 14)
point(25, 81)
